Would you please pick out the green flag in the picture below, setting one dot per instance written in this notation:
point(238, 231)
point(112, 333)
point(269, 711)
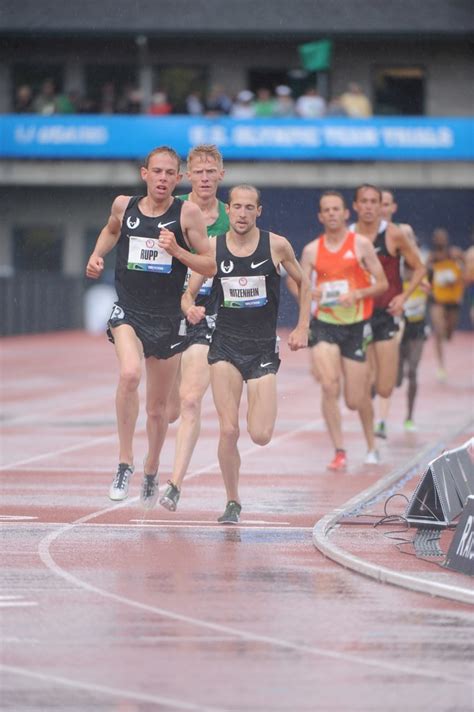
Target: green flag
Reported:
point(316, 56)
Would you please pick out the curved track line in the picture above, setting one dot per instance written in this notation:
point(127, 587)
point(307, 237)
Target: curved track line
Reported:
point(322, 530)
point(115, 691)
point(47, 559)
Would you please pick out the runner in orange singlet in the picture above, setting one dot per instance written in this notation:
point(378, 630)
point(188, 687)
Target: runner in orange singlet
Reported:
point(348, 276)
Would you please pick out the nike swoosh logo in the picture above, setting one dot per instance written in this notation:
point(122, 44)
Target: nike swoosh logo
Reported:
point(174, 345)
point(160, 225)
point(263, 365)
point(257, 264)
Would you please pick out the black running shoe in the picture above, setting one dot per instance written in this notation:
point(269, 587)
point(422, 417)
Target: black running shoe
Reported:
point(170, 498)
point(119, 488)
point(231, 514)
point(149, 492)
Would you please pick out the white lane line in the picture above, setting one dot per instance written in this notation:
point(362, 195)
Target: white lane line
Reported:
point(14, 601)
point(49, 562)
point(15, 518)
point(205, 522)
point(171, 525)
point(114, 691)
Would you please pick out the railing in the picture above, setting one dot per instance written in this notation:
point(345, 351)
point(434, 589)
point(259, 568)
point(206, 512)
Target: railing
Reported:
point(34, 302)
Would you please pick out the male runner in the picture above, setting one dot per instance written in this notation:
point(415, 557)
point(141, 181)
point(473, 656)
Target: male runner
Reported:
point(157, 237)
point(244, 345)
point(382, 405)
point(446, 273)
point(205, 172)
point(343, 264)
point(391, 245)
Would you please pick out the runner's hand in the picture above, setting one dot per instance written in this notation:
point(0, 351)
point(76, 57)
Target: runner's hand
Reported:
point(195, 314)
point(95, 267)
point(168, 242)
point(298, 338)
point(395, 307)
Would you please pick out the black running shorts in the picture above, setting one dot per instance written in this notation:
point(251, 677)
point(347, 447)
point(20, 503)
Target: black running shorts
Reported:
point(384, 325)
point(161, 336)
point(200, 333)
point(352, 339)
point(253, 358)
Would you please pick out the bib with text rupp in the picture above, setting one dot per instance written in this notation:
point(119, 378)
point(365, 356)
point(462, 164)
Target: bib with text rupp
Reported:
point(244, 292)
point(332, 291)
point(145, 255)
point(206, 287)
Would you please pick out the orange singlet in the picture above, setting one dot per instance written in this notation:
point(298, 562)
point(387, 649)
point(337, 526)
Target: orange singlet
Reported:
point(339, 273)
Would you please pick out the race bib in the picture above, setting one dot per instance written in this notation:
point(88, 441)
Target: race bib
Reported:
point(145, 255)
point(415, 308)
point(244, 292)
point(444, 277)
point(206, 287)
point(332, 291)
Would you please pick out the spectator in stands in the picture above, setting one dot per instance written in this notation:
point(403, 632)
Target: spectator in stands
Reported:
point(24, 100)
point(131, 100)
point(218, 102)
point(310, 105)
point(335, 108)
point(66, 103)
point(160, 106)
point(243, 107)
point(284, 103)
point(265, 104)
point(194, 104)
point(108, 98)
point(355, 102)
point(45, 102)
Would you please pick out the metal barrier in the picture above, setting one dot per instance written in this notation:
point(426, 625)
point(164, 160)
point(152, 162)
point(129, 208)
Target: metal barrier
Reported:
point(34, 302)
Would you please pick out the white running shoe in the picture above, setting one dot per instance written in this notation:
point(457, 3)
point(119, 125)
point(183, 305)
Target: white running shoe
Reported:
point(372, 458)
point(119, 487)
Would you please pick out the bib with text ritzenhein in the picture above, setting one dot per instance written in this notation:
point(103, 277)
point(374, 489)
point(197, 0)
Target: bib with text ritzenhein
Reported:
point(244, 292)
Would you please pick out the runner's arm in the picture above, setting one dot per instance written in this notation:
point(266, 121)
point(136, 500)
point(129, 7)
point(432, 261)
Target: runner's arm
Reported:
point(193, 313)
point(412, 257)
point(369, 260)
point(108, 237)
point(298, 338)
point(194, 229)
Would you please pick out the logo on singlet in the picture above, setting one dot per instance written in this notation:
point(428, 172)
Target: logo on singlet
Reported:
point(161, 225)
point(133, 223)
point(227, 266)
point(349, 255)
point(254, 265)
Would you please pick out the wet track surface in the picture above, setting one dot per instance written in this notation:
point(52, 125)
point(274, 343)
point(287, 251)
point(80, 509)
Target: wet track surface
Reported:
point(105, 607)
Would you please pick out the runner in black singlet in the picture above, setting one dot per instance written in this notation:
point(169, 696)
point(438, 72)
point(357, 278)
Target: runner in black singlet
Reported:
point(244, 346)
point(157, 237)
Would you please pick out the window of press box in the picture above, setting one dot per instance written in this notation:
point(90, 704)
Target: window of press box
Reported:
point(399, 91)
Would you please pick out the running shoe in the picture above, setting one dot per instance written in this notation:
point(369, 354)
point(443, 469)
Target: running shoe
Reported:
point(410, 426)
point(372, 458)
point(231, 514)
point(380, 431)
point(339, 462)
point(149, 492)
point(119, 487)
point(170, 498)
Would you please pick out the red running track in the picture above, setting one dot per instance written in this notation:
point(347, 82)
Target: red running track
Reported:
point(104, 608)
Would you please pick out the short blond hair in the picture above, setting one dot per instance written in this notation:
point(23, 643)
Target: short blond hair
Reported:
point(204, 150)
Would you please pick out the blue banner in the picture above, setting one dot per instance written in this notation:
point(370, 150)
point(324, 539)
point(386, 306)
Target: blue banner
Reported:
point(127, 137)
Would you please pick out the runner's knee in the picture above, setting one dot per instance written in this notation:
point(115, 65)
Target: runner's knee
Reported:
point(130, 378)
point(262, 436)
